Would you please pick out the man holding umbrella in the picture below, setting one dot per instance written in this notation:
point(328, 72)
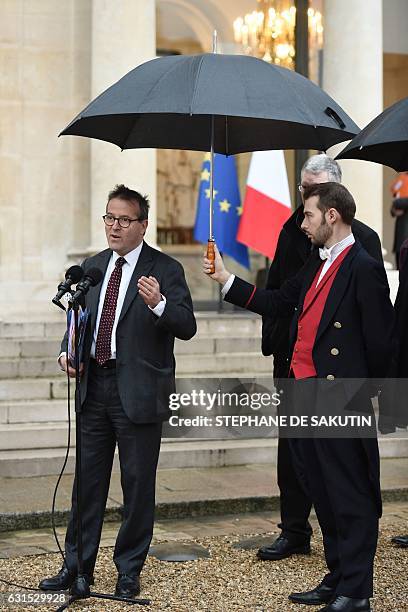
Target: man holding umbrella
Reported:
point(338, 301)
point(292, 251)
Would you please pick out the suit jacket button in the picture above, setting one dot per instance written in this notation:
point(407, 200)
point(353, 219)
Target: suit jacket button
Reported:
point(330, 377)
point(337, 325)
point(335, 351)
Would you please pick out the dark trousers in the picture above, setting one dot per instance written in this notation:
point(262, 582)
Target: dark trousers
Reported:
point(295, 503)
point(341, 482)
point(104, 424)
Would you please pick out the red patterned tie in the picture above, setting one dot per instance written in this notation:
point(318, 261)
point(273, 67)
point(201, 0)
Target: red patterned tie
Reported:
point(103, 341)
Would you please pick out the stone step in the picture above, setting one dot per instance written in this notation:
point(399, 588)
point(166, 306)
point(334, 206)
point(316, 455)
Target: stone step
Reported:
point(19, 436)
point(26, 389)
point(33, 367)
point(210, 324)
point(13, 349)
point(173, 454)
point(35, 411)
point(223, 363)
point(187, 363)
point(32, 329)
point(29, 347)
point(247, 325)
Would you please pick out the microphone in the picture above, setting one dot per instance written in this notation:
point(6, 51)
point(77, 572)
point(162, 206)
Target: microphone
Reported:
point(72, 276)
point(92, 277)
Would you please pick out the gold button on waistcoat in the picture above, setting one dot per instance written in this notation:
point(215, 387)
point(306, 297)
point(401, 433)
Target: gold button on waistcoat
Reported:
point(334, 351)
point(337, 325)
point(330, 377)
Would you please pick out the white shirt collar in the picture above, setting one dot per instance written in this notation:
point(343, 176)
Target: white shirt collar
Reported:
point(330, 253)
point(131, 257)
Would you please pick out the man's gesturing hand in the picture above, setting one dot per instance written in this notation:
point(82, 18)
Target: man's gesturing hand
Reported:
point(63, 365)
point(149, 289)
point(221, 275)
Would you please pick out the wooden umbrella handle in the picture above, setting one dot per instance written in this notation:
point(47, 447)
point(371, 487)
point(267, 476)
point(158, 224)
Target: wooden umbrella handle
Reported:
point(211, 254)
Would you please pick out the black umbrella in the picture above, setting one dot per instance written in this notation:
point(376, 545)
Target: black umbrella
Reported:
point(223, 103)
point(168, 103)
point(384, 140)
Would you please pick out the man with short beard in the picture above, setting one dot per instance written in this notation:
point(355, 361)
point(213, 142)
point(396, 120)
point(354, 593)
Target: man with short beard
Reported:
point(292, 251)
point(338, 302)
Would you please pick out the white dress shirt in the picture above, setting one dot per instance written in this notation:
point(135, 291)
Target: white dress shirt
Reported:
point(127, 271)
point(329, 254)
point(128, 268)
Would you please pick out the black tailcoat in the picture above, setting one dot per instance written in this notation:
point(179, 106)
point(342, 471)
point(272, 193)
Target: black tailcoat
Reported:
point(293, 250)
point(358, 300)
point(340, 475)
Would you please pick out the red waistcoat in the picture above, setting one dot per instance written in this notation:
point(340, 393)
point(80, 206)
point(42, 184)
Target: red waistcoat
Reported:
point(302, 364)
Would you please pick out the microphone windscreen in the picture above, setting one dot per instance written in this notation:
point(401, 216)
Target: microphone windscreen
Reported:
point(75, 273)
point(95, 276)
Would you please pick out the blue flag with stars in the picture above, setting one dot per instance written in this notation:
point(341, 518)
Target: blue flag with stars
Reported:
point(227, 207)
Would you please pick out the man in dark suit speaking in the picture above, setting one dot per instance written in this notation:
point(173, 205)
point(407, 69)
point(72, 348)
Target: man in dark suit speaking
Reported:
point(339, 301)
point(140, 307)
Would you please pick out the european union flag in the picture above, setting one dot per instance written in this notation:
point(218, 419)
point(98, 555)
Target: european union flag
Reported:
point(227, 207)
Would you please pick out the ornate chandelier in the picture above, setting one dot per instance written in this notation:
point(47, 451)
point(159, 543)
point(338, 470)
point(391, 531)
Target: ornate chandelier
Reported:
point(269, 33)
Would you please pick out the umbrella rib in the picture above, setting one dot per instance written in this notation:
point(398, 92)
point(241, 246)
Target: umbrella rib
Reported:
point(130, 132)
point(296, 95)
point(196, 84)
point(159, 80)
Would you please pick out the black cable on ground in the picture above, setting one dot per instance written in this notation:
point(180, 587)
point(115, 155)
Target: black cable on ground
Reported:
point(54, 497)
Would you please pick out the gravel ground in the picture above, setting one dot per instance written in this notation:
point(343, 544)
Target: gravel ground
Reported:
point(231, 580)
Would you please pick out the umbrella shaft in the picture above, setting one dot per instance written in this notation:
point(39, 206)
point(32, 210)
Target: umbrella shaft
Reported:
point(212, 179)
point(212, 154)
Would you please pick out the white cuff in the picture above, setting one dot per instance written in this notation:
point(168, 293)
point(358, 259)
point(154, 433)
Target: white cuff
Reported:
point(63, 354)
point(227, 285)
point(159, 309)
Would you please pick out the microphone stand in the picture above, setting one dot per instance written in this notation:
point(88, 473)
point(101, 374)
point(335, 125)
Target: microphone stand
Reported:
point(80, 589)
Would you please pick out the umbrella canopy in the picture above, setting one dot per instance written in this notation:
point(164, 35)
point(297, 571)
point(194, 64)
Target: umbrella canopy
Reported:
point(169, 103)
point(384, 140)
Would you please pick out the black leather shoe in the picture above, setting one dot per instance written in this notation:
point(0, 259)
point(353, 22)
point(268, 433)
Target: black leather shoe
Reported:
point(401, 541)
point(127, 586)
point(347, 604)
point(61, 582)
point(320, 595)
point(282, 548)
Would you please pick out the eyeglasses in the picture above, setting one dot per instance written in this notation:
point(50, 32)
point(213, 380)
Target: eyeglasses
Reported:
point(123, 221)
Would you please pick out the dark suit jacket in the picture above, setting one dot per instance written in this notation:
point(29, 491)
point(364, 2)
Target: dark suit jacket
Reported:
point(145, 363)
point(393, 398)
point(401, 310)
point(358, 300)
point(292, 251)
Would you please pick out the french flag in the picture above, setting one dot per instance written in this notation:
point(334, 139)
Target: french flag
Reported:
point(267, 202)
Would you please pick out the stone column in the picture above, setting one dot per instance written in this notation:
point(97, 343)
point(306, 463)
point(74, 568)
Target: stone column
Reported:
point(44, 55)
point(352, 75)
point(123, 36)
